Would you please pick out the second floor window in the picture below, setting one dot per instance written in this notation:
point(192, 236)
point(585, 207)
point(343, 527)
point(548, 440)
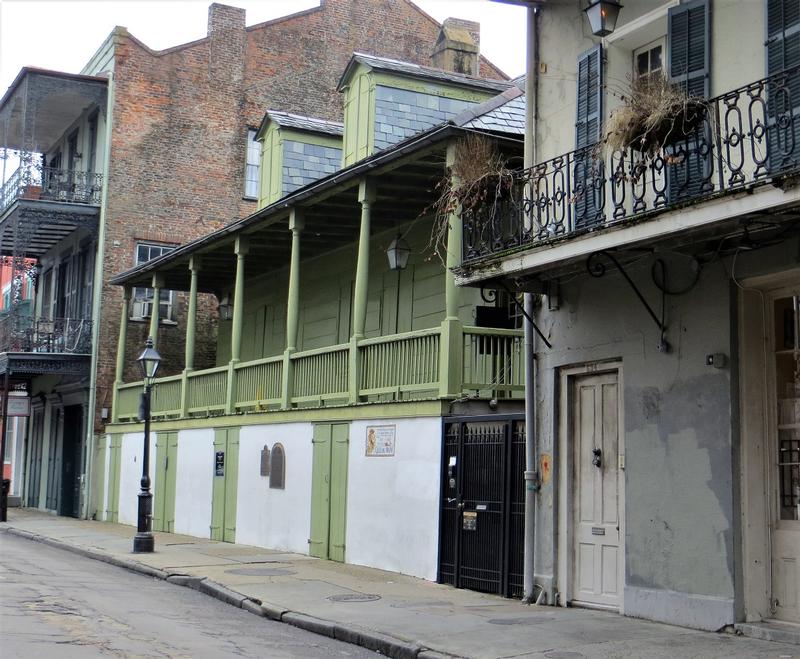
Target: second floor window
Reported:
point(142, 299)
point(648, 61)
point(253, 166)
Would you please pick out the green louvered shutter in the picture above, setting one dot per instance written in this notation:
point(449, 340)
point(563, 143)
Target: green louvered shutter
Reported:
point(589, 112)
point(689, 53)
point(783, 54)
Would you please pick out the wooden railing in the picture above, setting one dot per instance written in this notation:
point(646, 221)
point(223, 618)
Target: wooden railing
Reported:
point(400, 364)
point(320, 375)
point(388, 368)
point(207, 391)
point(493, 361)
point(258, 384)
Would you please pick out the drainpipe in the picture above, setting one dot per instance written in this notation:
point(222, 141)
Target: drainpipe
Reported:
point(531, 457)
point(97, 296)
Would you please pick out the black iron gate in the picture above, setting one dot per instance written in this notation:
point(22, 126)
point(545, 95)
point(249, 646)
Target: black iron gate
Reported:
point(483, 504)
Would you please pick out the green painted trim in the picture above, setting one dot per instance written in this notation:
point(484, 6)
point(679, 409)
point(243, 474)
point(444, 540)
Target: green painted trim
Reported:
point(225, 487)
point(114, 469)
point(191, 317)
point(271, 183)
point(392, 410)
point(317, 139)
point(447, 90)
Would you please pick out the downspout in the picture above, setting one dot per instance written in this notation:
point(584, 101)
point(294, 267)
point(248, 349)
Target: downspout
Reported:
point(531, 449)
point(97, 296)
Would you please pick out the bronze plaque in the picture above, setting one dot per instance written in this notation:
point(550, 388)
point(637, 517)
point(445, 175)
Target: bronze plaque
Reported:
point(470, 521)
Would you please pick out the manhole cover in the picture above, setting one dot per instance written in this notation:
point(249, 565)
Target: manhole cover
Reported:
point(261, 571)
point(354, 597)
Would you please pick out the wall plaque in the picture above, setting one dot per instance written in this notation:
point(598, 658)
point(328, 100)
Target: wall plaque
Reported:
point(219, 463)
point(380, 441)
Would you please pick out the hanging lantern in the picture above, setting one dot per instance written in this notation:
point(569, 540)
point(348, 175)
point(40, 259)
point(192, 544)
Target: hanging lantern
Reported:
point(602, 15)
point(225, 307)
point(398, 254)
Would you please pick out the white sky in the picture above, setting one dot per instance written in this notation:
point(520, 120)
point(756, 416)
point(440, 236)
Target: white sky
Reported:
point(64, 34)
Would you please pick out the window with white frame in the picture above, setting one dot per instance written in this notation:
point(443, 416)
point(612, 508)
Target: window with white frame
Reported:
point(253, 166)
point(648, 61)
point(142, 303)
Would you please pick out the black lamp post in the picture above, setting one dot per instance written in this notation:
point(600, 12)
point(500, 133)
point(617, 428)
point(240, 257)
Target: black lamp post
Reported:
point(148, 362)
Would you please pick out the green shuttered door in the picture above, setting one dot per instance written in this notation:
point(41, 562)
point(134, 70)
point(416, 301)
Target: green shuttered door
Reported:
point(329, 491)
point(166, 469)
point(223, 502)
point(112, 510)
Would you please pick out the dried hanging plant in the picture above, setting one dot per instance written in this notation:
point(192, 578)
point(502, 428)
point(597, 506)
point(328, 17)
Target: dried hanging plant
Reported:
point(653, 115)
point(478, 176)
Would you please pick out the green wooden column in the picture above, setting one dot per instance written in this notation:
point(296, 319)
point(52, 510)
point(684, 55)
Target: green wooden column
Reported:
point(296, 225)
point(366, 197)
point(451, 347)
point(122, 339)
point(155, 311)
point(191, 332)
point(241, 248)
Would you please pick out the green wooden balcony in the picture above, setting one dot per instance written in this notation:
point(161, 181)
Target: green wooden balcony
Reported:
point(487, 363)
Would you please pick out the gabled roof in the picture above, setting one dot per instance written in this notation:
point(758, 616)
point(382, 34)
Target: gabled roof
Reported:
point(310, 124)
point(504, 113)
point(409, 70)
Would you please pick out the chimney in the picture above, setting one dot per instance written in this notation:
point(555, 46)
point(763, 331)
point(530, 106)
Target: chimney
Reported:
point(226, 30)
point(458, 46)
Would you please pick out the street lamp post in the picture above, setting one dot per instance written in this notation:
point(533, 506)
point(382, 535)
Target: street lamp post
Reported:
point(143, 541)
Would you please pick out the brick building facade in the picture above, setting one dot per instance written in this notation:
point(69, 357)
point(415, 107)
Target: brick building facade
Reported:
point(180, 122)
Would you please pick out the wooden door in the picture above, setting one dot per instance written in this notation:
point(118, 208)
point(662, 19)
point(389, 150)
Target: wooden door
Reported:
point(224, 489)
point(597, 552)
point(166, 468)
point(114, 466)
point(784, 459)
point(329, 491)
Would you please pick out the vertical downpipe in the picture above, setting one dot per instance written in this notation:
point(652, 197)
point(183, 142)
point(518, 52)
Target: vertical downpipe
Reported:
point(97, 295)
point(531, 458)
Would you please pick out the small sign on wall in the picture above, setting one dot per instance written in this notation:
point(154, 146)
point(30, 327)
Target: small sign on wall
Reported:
point(219, 463)
point(380, 441)
point(19, 406)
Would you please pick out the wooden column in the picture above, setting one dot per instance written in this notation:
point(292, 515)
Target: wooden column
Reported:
point(451, 346)
point(122, 339)
point(240, 248)
point(296, 225)
point(366, 197)
point(155, 311)
point(191, 333)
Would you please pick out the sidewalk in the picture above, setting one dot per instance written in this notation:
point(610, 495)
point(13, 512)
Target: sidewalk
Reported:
point(397, 615)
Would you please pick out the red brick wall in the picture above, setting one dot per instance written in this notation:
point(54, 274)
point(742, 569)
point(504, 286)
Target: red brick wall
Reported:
point(180, 124)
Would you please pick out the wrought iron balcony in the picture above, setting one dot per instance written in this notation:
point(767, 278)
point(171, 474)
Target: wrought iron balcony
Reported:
point(19, 333)
point(746, 137)
point(50, 184)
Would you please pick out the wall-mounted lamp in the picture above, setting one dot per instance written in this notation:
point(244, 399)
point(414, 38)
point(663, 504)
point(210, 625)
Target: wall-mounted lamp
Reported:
point(602, 15)
point(225, 307)
point(398, 253)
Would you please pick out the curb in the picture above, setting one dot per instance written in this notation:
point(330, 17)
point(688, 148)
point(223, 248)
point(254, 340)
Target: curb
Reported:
point(384, 644)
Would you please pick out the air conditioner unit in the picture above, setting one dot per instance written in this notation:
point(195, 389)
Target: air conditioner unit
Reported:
point(141, 309)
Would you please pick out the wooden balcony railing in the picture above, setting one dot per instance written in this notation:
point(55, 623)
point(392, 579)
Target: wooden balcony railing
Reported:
point(746, 137)
point(389, 368)
point(50, 184)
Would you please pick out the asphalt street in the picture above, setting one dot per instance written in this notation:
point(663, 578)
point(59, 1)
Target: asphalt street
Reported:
point(57, 604)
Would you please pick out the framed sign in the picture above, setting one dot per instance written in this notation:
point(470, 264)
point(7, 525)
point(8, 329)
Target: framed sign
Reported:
point(219, 463)
point(380, 441)
point(19, 406)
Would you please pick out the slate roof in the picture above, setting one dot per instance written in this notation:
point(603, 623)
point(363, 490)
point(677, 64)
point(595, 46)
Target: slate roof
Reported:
point(311, 124)
point(418, 71)
point(504, 113)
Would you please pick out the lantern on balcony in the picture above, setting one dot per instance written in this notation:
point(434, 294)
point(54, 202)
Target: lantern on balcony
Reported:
point(225, 307)
point(602, 15)
point(398, 253)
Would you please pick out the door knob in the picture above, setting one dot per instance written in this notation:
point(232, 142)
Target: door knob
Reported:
point(597, 460)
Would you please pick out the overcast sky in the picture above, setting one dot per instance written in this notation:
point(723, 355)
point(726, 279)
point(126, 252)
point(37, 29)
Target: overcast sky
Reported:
point(63, 34)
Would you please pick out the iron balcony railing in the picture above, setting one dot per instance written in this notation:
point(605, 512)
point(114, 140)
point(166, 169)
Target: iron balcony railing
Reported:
point(57, 335)
point(50, 184)
point(745, 137)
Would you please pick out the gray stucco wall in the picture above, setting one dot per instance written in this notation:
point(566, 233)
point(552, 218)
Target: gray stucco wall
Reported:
point(305, 163)
point(679, 510)
point(400, 113)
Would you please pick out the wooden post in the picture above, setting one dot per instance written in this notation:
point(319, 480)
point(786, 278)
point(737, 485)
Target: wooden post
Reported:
point(122, 339)
point(296, 225)
point(155, 311)
point(366, 197)
point(241, 248)
point(451, 343)
point(191, 332)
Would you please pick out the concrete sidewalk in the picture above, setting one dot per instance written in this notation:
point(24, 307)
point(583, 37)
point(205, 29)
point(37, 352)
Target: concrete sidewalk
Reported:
point(396, 615)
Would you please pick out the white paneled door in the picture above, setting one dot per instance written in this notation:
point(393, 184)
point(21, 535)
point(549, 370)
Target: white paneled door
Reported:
point(597, 573)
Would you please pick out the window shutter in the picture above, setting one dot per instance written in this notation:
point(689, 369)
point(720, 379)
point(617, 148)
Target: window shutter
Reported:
point(783, 54)
point(689, 42)
point(783, 35)
point(589, 97)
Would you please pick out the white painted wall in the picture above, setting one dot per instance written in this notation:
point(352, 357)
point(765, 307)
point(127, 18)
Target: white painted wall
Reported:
point(393, 502)
point(266, 517)
point(130, 475)
point(193, 482)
